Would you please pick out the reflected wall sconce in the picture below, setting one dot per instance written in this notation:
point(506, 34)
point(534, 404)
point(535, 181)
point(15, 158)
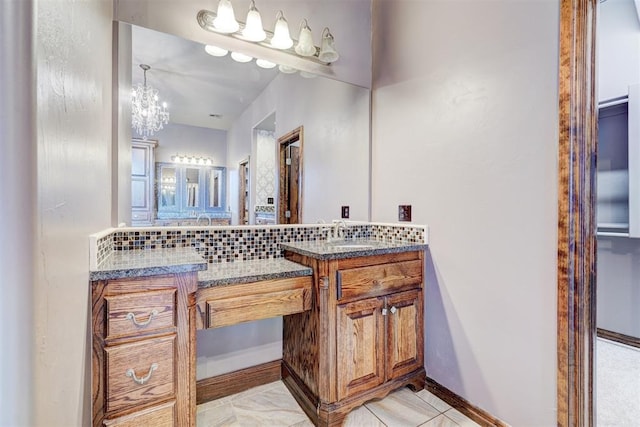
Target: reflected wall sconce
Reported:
point(224, 22)
point(192, 160)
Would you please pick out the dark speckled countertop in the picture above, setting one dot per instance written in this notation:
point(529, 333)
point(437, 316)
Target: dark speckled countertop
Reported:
point(139, 263)
point(350, 248)
point(250, 271)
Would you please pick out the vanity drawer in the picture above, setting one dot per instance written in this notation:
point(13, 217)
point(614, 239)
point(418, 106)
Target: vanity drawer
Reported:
point(376, 280)
point(131, 314)
point(158, 416)
point(139, 373)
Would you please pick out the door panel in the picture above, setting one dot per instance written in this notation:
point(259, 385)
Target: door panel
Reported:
point(360, 344)
point(404, 333)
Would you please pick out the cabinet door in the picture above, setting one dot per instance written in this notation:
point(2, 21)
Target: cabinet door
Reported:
point(360, 346)
point(405, 339)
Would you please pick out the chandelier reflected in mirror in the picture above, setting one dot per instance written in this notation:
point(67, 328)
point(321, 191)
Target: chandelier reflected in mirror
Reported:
point(148, 115)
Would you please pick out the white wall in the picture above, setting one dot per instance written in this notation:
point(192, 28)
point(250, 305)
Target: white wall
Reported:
point(335, 116)
point(17, 212)
point(74, 41)
point(191, 141)
point(618, 41)
point(618, 270)
point(465, 129)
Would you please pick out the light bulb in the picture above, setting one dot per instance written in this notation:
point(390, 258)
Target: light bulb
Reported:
point(286, 69)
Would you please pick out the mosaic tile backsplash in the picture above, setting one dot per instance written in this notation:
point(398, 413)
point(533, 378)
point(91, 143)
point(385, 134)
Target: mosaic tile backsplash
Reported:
point(232, 244)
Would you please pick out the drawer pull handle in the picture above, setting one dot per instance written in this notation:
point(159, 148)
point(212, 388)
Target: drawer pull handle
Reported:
point(393, 309)
point(377, 283)
point(132, 374)
point(132, 317)
point(384, 311)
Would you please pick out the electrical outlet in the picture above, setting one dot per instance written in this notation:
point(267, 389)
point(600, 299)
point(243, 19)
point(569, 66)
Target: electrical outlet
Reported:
point(404, 213)
point(345, 212)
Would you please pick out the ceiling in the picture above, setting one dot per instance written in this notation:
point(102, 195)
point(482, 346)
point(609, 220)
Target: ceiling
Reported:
point(193, 83)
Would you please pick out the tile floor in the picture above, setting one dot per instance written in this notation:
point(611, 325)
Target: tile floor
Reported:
point(272, 405)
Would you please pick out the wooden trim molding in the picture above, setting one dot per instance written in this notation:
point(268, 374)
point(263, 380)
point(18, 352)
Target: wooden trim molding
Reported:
point(478, 415)
point(576, 213)
point(619, 338)
point(234, 382)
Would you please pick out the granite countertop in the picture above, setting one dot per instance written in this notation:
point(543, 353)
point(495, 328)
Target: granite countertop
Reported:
point(250, 271)
point(349, 248)
point(139, 263)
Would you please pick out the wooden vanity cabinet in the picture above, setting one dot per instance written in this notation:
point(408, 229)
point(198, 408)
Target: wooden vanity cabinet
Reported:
point(144, 351)
point(362, 338)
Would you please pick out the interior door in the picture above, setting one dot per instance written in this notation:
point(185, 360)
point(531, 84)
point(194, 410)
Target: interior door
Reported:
point(290, 178)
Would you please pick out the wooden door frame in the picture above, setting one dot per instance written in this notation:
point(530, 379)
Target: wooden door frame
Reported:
point(296, 135)
point(576, 213)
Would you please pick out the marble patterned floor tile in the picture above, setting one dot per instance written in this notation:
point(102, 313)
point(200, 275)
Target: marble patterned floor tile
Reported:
point(402, 408)
point(264, 388)
point(460, 419)
point(433, 400)
point(440, 421)
point(215, 416)
point(361, 416)
point(274, 406)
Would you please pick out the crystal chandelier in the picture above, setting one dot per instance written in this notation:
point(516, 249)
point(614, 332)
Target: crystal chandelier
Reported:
point(147, 114)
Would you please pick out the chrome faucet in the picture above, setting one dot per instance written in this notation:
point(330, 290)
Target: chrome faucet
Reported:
point(203, 215)
point(339, 228)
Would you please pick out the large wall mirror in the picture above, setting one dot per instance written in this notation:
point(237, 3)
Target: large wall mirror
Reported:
point(218, 107)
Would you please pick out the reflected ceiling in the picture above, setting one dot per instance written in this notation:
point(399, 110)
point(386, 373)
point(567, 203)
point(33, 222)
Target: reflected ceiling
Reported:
point(194, 83)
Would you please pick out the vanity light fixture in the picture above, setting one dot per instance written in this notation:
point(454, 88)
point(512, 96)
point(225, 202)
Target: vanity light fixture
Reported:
point(148, 115)
point(192, 160)
point(224, 22)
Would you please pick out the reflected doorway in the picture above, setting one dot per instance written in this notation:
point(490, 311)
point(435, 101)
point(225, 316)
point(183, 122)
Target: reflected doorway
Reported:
point(243, 191)
point(290, 173)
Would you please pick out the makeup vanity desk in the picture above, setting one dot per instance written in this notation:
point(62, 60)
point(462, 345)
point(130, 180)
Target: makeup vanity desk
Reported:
point(352, 313)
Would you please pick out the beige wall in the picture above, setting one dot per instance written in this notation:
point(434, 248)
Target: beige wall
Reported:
point(465, 130)
point(74, 197)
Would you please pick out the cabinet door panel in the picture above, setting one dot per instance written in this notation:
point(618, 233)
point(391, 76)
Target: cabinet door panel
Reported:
point(360, 337)
point(404, 333)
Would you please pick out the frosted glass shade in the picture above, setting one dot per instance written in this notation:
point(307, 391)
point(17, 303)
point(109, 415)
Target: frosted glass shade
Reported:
point(240, 57)
point(281, 38)
point(286, 69)
point(305, 45)
point(225, 21)
point(263, 63)
point(253, 30)
point(215, 50)
point(328, 52)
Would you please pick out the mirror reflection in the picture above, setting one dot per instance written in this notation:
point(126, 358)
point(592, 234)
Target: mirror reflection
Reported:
point(234, 114)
